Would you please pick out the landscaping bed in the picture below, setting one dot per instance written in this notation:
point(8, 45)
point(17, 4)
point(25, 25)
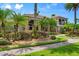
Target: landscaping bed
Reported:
point(58, 39)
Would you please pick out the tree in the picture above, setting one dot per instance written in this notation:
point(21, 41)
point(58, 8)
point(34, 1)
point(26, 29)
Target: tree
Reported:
point(43, 23)
point(74, 7)
point(69, 26)
point(18, 18)
point(52, 23)
point(35, 17)
point(4, 14)
point(47, 23)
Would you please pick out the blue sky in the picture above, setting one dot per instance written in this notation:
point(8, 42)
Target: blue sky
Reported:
point(46, 9)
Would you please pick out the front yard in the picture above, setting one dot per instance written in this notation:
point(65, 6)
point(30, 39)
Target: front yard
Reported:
point(24, 44)
point(69, 50)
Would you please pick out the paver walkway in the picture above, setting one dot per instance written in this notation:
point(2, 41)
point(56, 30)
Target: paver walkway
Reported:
point(14, 52)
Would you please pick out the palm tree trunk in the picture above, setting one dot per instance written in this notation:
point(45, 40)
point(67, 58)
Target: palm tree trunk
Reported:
point(75, 20)
point(16, 31)
point(3, 29)
point(49, 28)
point(35, 16)
point(35, 12)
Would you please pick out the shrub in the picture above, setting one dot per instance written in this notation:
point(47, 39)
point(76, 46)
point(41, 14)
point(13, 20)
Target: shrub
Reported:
point(20, 36)
point(0, 34)
point(53, 37)
point(24, 35)
point(43, 34)
point(62, 30)
point(61, 38)
point(52, 33)
point(35, 36)
point(4, 42)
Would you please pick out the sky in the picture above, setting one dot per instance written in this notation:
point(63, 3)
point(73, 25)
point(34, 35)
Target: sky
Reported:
point(46, 9)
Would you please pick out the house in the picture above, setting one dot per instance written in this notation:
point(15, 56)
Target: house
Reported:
point(60, 21)
point(31, 21)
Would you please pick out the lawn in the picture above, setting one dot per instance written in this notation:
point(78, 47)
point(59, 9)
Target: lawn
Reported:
point(69, 50)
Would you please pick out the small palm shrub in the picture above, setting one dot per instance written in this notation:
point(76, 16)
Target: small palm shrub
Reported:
point(35, 36)
point(50, 33)
point(43, 34)
point(4, 42)
point(24, 36)
point(21, 36)
point(62, 30)
point(53, 37)
point(0, 34)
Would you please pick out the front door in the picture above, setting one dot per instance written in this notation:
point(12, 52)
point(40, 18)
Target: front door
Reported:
point(31, 23)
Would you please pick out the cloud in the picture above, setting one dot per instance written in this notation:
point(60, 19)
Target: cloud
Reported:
point(6, 6)
point(50, 5)
point(18, 6)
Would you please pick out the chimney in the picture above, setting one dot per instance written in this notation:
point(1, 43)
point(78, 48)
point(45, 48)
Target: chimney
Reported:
point(53, 15)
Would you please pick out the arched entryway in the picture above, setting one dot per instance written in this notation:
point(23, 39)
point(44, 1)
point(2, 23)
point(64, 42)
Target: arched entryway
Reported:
point(31, 23)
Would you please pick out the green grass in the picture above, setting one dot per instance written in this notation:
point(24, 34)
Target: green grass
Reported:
point(69, 50)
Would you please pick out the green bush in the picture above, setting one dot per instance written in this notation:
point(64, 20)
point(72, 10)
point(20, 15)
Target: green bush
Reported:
point(24, 35)
point(0, 34)
point(62, 30)
point(53, 37)
point(43, 34)
point(20, 36)
point(50, 33)
point(35, 36)
point(61, 38)
point(4, 42)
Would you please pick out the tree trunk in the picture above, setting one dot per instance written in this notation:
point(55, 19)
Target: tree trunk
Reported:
point(3, 29)
point(49, 28)
point(75, 20)
point(16, 31)
point(35, 17)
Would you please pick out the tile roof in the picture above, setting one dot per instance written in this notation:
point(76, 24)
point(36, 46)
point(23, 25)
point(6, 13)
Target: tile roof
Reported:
point(32, 15)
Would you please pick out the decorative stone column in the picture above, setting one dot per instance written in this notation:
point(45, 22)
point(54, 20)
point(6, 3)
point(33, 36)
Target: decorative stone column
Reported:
point(49, 28)
point(39, 28)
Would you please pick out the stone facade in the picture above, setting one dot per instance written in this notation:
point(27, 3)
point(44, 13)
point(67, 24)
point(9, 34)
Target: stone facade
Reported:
point(60, 21)
point(31, 21)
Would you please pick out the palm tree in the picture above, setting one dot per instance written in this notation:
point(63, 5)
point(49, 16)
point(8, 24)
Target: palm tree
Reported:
point(35, 17)
point(4, 14)
point(18, 18)
point(49, 23)
point(52, 24)
point(43, 23)
point(74, 7)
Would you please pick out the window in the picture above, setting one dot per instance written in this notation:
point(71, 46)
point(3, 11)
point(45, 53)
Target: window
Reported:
point(59, 21)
